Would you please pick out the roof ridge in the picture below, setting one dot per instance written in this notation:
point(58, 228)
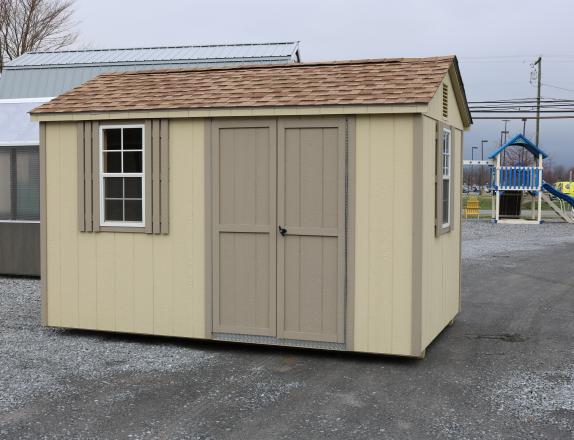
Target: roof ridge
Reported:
point(301, 65)
point(163, 47)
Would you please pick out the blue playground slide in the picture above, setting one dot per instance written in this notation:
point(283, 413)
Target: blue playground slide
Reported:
point(556, 193)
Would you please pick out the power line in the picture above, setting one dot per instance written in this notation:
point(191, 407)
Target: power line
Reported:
point(547, 99)
point(523, 117)
point(557, 87)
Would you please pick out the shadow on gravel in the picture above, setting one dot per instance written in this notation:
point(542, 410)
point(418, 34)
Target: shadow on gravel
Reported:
point(225, 347)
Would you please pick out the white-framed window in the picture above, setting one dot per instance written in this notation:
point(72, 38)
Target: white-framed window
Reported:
point(446, 176)
point(122, 175)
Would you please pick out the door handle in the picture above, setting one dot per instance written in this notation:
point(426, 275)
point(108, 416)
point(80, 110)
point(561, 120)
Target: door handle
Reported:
point(282, 231)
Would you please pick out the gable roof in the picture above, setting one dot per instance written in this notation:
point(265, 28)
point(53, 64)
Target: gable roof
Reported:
point(522, 141)
point(48, 74)
point(362, 82)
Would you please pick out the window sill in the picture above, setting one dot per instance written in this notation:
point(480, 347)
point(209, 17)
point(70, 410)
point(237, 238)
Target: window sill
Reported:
point(20, 221)
point(140, 229)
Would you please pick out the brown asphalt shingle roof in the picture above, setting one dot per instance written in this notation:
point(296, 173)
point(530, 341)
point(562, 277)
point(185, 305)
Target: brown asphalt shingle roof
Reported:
point(364, 82)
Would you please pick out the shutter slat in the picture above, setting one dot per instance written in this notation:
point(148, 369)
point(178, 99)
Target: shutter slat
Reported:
point(156, 164)
point(164, 177)
point(81, 178)
point(95, 183)
point(88, 176)
point(148, 177)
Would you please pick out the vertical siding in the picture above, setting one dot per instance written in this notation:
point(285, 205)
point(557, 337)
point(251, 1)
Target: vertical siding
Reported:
point(128, 282)
point(383, 234)
point(441, 255)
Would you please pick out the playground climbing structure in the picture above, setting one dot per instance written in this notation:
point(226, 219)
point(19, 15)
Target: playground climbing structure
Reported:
point(514, 180)
point(518, 176)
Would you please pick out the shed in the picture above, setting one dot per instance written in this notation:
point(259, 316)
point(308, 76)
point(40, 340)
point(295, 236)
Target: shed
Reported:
point(311, 205)
point(37, 77)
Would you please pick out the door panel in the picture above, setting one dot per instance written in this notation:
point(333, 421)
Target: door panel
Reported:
point(244, 224)
point(311, 195)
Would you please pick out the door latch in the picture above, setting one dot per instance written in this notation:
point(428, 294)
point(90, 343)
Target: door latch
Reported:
point(282, 231)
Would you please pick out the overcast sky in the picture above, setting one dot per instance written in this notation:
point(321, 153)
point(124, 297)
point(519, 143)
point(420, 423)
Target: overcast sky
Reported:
point(496, 40)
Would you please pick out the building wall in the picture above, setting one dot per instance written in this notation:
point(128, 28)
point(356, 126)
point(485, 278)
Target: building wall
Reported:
point(20, 248)
point(441, 255)
point(128, 282)
point(383, 234)
point(156, 284)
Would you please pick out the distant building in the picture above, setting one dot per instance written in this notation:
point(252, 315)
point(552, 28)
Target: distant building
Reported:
point(37, 77)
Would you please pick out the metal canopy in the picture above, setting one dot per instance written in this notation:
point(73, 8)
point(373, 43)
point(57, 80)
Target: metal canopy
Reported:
point(155, 54)
point(49, 74)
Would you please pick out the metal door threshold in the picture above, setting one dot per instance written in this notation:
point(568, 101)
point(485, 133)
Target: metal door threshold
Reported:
point(270, 340)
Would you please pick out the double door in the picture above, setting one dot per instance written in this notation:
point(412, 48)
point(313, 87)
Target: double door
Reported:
point(278, 200)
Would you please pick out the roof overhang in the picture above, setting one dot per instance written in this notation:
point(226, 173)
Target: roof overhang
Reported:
point(460, 93)
point(237, 112)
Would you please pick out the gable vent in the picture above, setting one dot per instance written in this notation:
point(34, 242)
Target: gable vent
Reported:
point(445, 100)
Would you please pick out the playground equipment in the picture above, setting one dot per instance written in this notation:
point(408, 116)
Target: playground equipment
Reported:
point(512, 180)
point(565, 207)
point(518, 176)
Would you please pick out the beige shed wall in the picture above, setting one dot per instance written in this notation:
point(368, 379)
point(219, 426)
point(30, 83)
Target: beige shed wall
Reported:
point(128, 282)
point(435, 106)
point(383, 234)
point(441, 255)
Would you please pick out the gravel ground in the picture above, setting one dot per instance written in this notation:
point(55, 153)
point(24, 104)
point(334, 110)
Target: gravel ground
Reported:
point(505, 370)
point(482, 238)
point(36, 361)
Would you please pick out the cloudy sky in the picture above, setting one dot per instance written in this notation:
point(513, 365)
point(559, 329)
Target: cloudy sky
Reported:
point(496, 40)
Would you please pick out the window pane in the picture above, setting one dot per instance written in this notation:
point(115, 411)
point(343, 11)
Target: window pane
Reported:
point(112, 139)
point(132, 138)
point(5, 186)
point(114, 210)
point(133, 210)
point(113, 187)
point(133, 162)
point(133, 187)
point(112, 162)
point(445, 201)
point(27, 184)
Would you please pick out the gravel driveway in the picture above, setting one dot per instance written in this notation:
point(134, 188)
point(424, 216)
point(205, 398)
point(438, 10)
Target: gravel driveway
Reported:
point(504, 370)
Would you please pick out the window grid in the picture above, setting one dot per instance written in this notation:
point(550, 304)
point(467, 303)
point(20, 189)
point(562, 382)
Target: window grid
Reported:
point(107, 176)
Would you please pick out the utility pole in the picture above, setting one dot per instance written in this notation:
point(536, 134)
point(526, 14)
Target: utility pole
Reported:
point(472, 173)
point(506, 121)
point(523, 126)
point(503, 135)
point(539, 63)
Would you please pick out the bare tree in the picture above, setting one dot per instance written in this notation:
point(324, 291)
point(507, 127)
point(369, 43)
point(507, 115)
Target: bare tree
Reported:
point(32, 25)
